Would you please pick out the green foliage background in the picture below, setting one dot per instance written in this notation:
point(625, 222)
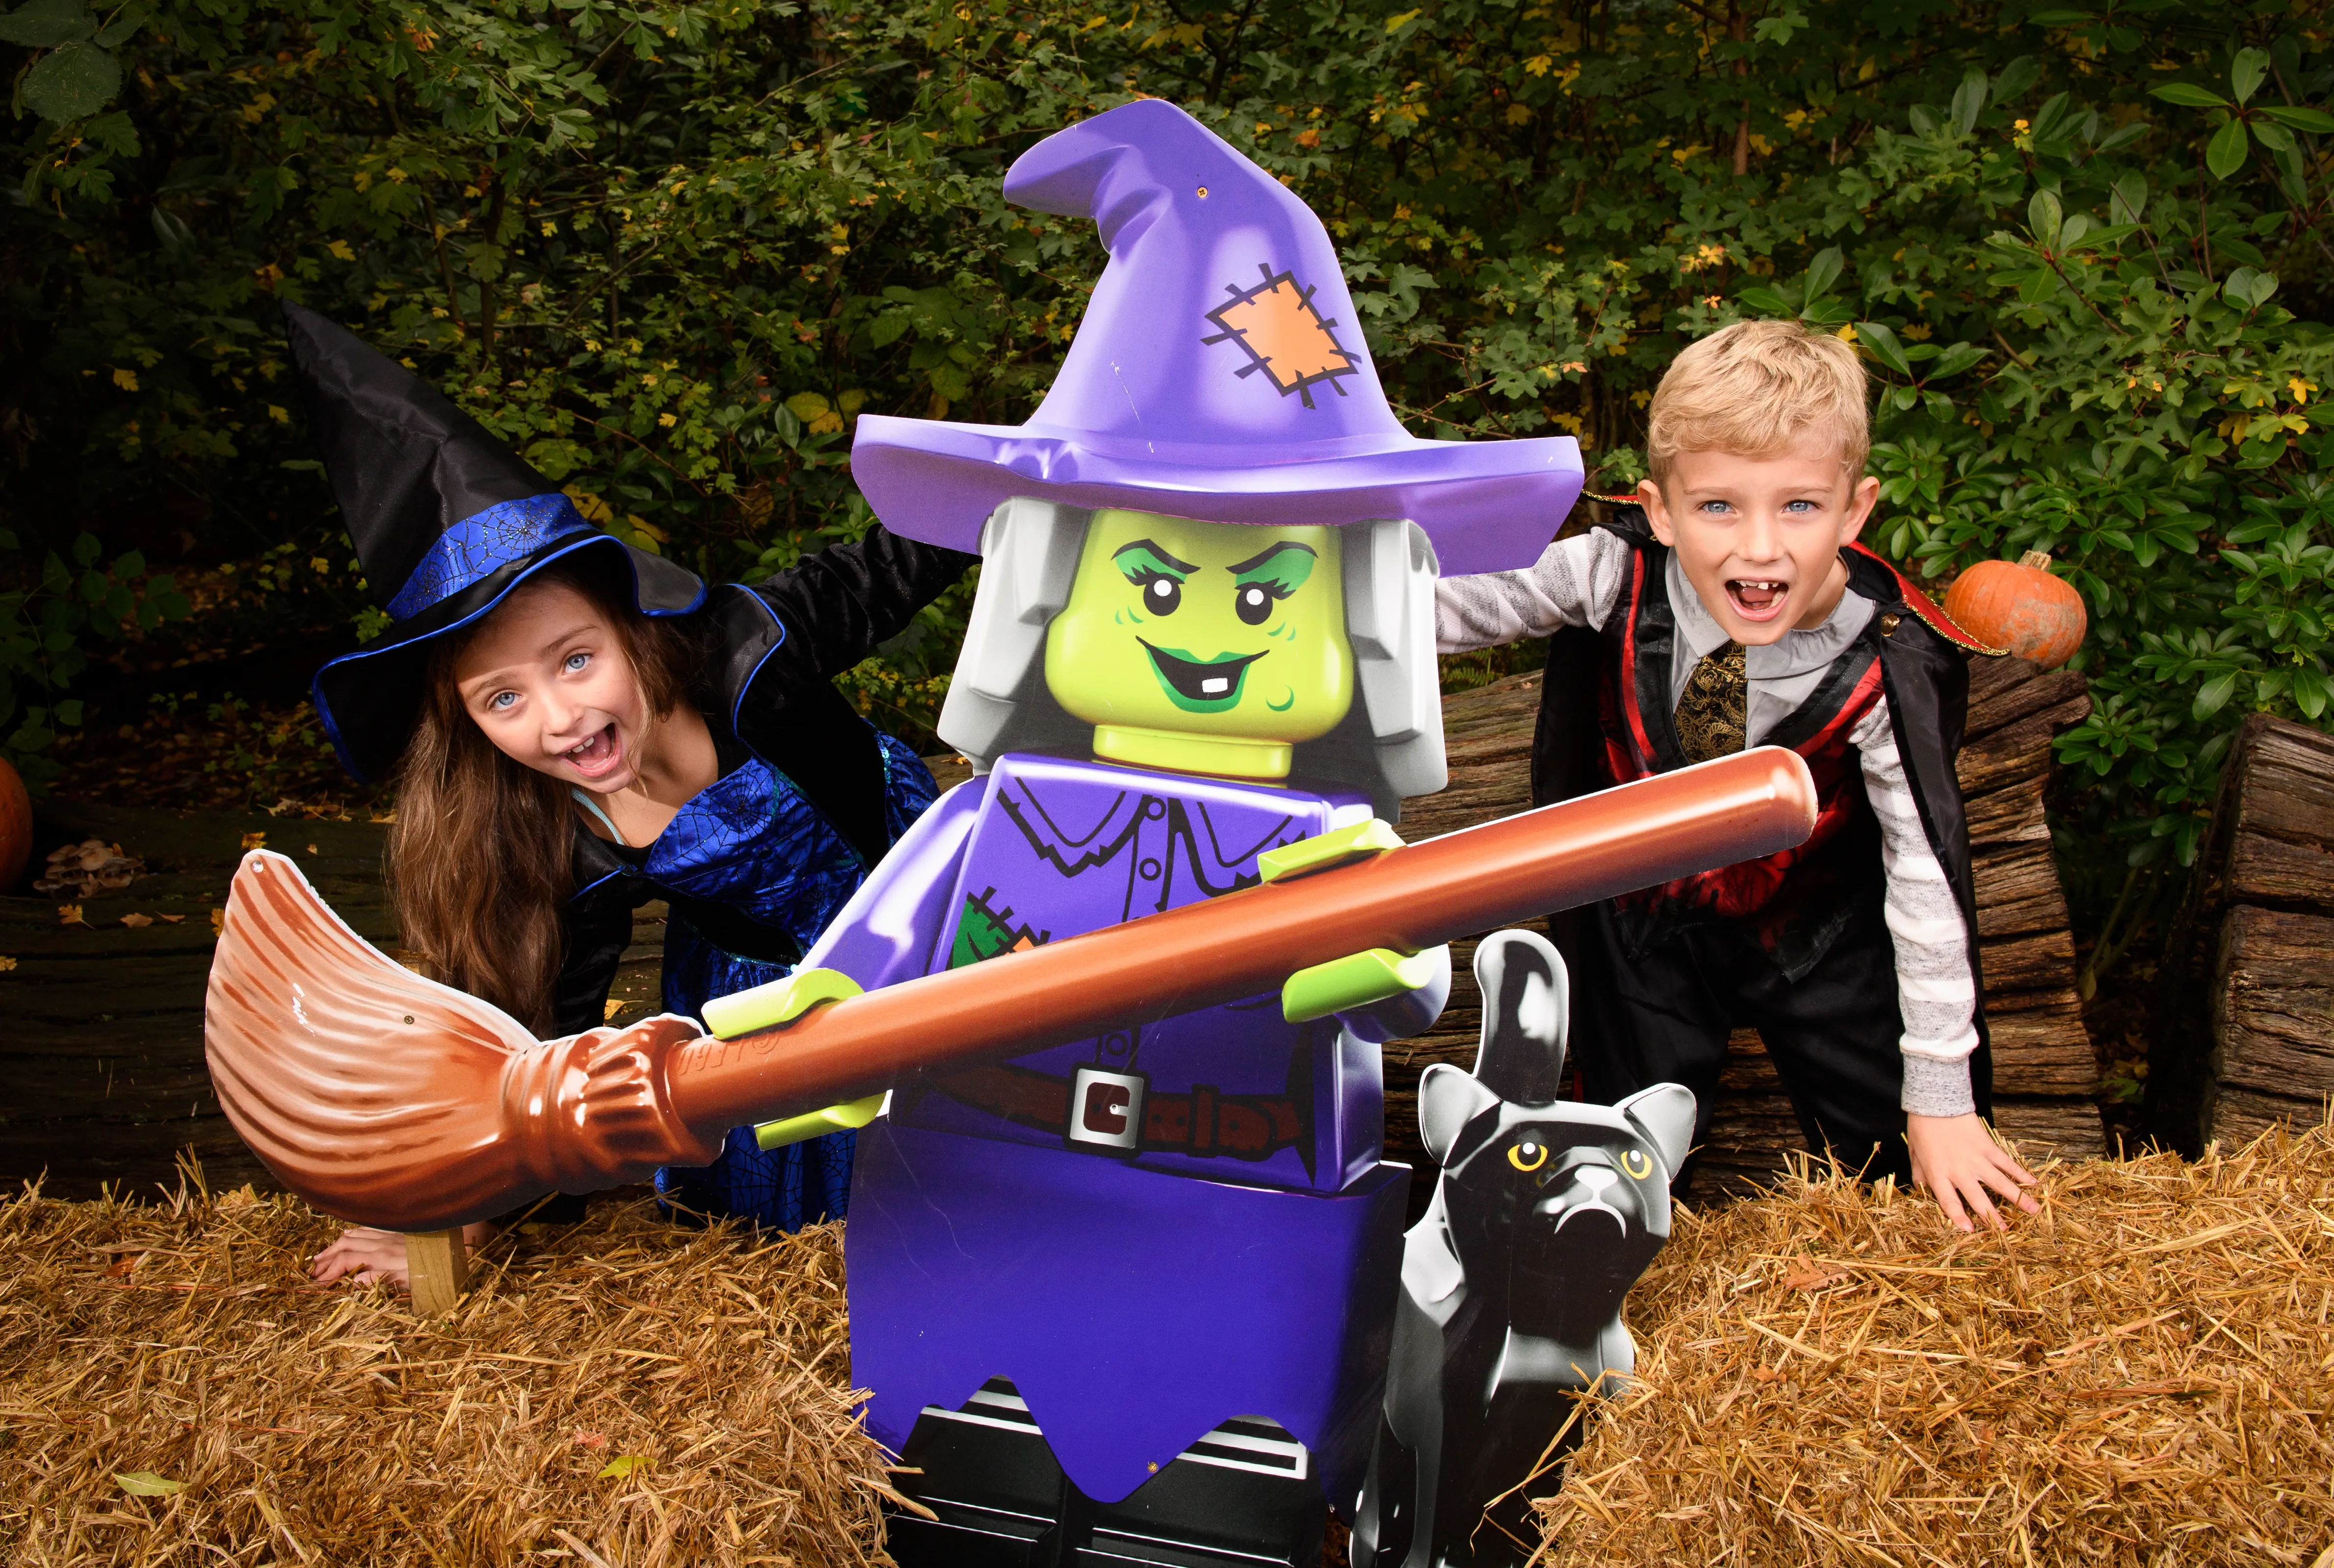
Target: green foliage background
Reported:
point(673, 251)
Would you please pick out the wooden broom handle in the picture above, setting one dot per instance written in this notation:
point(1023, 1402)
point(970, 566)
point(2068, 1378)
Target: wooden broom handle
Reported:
point(1248, 943)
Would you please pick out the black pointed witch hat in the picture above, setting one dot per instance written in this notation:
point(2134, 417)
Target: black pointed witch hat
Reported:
point(447, 520)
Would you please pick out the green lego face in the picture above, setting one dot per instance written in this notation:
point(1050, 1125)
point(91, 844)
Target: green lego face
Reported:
point(1211, 629)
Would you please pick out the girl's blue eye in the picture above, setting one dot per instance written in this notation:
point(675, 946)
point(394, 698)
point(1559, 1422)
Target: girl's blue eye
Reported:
point(576, 661)
point(501, 700)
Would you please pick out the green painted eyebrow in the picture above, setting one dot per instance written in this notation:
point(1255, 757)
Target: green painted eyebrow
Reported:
point(1284, 566)
point(1149, 559)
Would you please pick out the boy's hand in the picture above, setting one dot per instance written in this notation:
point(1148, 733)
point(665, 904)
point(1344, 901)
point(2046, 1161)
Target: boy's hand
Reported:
point(1957, 1159)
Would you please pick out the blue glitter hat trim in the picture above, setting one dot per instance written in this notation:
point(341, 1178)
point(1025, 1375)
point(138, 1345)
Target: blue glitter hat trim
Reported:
point(478, 545)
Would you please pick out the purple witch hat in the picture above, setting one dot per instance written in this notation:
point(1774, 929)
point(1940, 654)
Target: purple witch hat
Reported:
point(1219, 374)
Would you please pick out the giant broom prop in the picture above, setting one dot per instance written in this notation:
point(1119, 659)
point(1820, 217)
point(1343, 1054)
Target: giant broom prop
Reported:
point(387, 1099)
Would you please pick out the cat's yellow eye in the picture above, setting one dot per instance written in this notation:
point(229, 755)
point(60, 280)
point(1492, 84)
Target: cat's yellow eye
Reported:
point(1527, 1155)
point(1636, 1164)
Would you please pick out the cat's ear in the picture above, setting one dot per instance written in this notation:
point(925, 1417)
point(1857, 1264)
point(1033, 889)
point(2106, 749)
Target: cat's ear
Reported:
point(1665, 1114)
point(1447, 1100)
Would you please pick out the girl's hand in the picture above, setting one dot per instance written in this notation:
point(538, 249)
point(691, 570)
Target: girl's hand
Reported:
point(371, 1255)
point(1957, 1159)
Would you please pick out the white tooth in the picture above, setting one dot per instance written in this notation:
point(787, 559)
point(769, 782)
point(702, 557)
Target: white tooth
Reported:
point(1216, 683)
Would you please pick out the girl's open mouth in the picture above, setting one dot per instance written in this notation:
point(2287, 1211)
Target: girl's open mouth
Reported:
point(597, 756)
point(1756, 598)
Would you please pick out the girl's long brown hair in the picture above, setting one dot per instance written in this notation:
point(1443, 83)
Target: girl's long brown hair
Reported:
point(480, 857)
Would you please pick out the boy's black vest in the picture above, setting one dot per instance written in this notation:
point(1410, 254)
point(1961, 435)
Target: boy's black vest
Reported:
point(1606, 717)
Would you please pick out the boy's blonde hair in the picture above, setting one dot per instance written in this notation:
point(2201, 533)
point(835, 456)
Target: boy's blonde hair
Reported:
point(1753, 390)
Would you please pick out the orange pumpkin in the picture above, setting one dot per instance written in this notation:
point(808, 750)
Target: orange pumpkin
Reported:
point(15, 827)
point(2020, 607)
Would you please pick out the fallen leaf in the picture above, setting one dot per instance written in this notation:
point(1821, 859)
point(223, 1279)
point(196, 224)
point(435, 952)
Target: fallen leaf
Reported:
point(6, 964)
point(1810, 1276)
point(312, 849)
point(255, 841)
point(70, 915)
point(171, 919)
point(219, 922)
point(614, 1007)
point(135, 920)
point(591, 1440)
point(147, 1484)
point(622, 1465)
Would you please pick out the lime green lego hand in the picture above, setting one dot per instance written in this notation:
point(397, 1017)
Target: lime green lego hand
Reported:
point(1344, 985)
point(783, 1002)
point(779, 1002)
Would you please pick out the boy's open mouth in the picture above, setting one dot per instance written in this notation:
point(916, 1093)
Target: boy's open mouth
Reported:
point(1756, 598)
point(598, 755)
point(1201, 686)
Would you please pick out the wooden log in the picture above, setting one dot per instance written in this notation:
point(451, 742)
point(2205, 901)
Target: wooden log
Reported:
point(436, 1270)
point(2245, 1002)
point(2273, 1014)
point(2018, 892)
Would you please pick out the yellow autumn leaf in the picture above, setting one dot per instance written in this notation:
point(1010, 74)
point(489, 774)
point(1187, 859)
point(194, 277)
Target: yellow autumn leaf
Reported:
point(806, 406)
point(6, 963)
point(666, 420)
point(255, 841)
point(594, 510)
point(147, 1484)
point(622, 1465)
point(1538, 65)
point(126, 379)
point(340, 249)
point(137, 921)
point(1396, 23)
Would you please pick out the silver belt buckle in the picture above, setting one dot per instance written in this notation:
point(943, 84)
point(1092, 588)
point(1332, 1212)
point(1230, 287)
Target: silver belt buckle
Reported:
point(1106, 1111)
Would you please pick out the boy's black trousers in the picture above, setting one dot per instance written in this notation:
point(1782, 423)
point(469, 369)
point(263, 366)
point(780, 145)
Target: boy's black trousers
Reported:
point(1664, 1016)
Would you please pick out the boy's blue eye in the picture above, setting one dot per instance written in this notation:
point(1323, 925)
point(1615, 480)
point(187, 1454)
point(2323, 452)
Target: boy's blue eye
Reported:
point(1799, 505)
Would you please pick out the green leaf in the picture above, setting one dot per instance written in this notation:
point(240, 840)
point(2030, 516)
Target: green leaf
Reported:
point(2061, 18)
point(2225, 153)
point(147, 1484)
point(2214, 695)
point(2189, 95)
point(118, 31)
point(1766, 301)
point(1822, 270)
point(47, 23)
point(86, 549)
point(2016, 77)
point(2245, 71)
point(2317, 121)
point(1969, 100)
point(2042, 216)
point(1882, 342)
point(71, 81)
point(1955, 358)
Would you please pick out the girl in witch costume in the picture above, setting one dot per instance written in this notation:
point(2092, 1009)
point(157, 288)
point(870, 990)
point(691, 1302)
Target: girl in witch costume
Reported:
point(575, 728)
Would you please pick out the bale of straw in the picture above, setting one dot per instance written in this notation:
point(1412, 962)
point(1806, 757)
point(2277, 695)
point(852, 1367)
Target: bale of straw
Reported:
point(2142, 1374)
point(172, 1389)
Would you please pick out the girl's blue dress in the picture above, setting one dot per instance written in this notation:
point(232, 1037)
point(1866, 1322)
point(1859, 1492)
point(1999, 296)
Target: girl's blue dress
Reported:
point(811, 797)
point(754, 859)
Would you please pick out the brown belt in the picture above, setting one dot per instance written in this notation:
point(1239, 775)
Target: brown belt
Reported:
point(1202, 1123)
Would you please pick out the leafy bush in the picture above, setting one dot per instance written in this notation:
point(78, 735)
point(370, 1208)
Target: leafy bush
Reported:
point(673, 250)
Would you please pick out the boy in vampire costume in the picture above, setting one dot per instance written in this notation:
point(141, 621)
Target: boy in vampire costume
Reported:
point(1129, 1300)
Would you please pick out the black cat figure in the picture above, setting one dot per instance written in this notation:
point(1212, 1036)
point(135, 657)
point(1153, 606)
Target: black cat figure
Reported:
point(1546, 1213)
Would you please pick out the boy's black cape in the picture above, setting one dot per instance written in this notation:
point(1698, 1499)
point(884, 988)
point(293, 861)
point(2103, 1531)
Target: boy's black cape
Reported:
point(1924, 677)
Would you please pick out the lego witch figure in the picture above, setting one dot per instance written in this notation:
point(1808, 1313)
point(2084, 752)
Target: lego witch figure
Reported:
point(575, 727)
point(1132, 1296)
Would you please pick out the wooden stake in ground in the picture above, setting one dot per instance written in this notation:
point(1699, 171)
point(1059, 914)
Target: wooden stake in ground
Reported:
point(437, 1270)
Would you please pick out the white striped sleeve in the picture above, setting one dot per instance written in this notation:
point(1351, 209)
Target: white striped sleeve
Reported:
point(1573, 583)
point(1936, 984)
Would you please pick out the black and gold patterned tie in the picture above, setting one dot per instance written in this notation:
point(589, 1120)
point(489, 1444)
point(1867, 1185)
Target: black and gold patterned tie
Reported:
point(1710, 714)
